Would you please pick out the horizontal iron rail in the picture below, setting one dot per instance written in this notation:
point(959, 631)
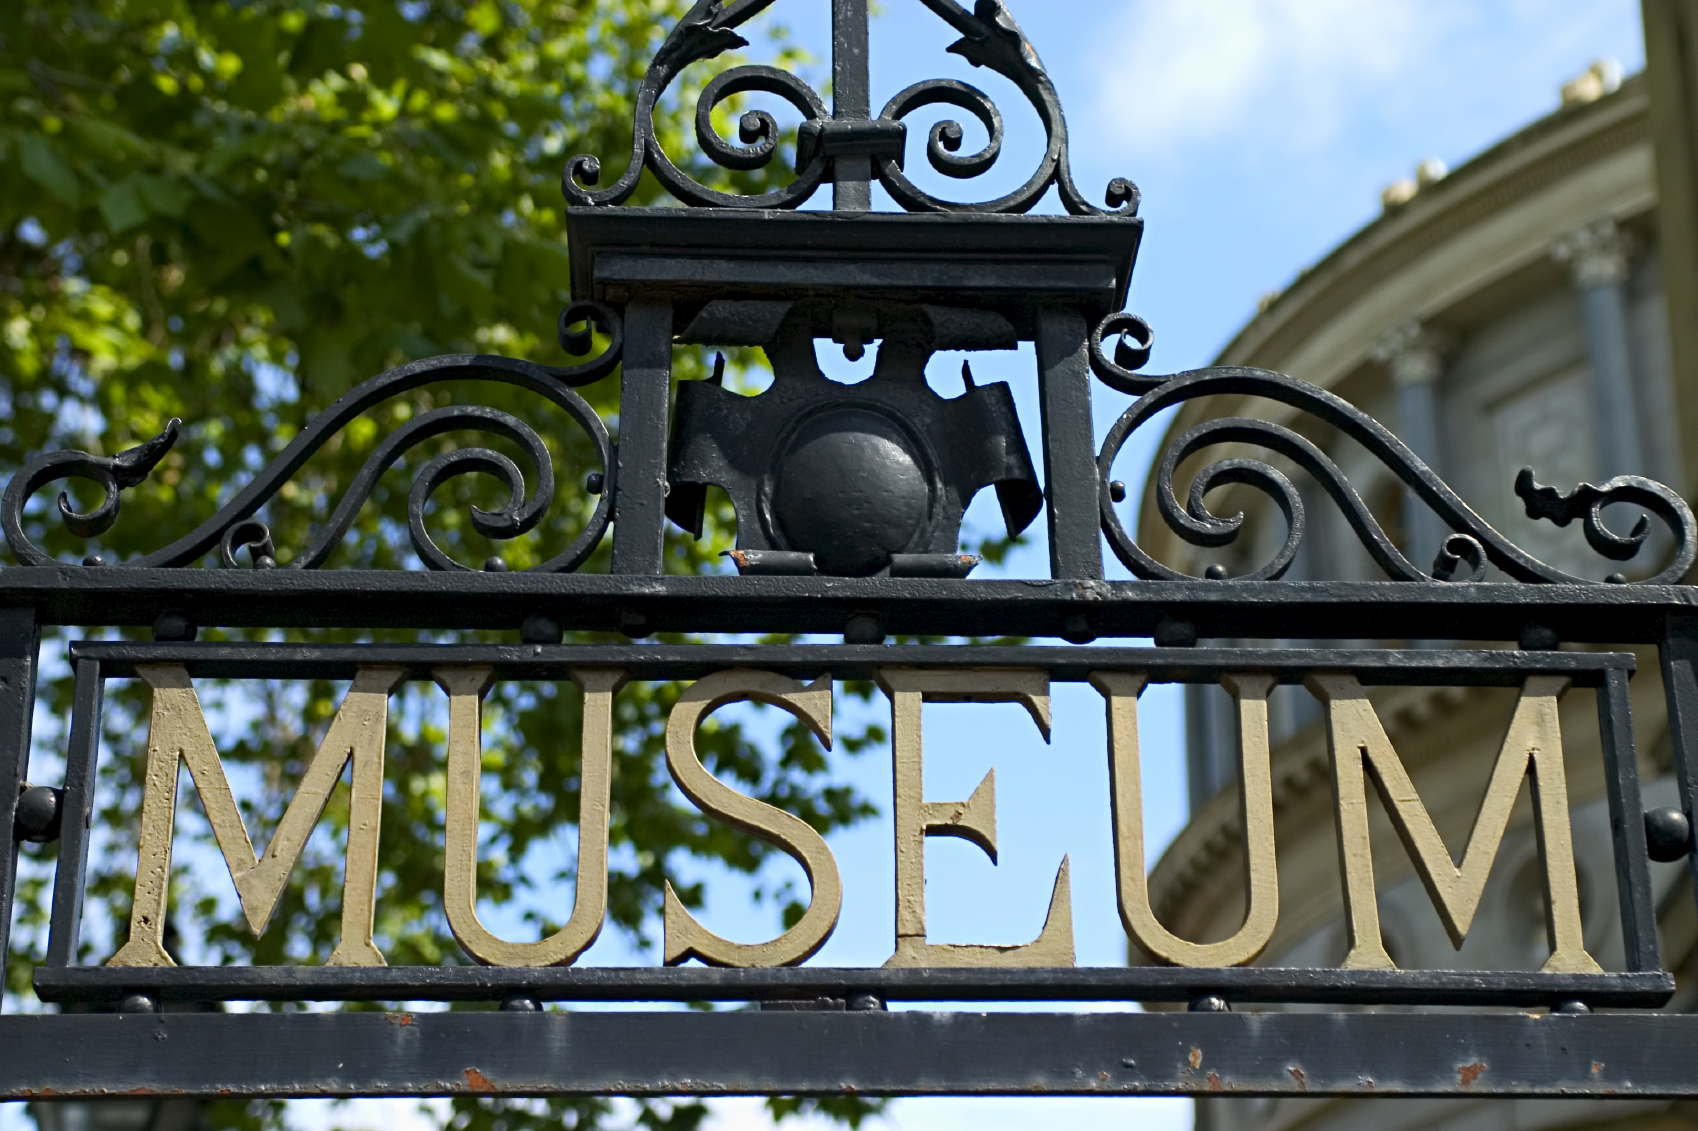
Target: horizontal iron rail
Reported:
point(607, 984)
point(279, 598)
point(1407, 668)
point(834, 1053)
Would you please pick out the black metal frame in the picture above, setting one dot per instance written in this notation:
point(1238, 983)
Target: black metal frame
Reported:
point(744, 272)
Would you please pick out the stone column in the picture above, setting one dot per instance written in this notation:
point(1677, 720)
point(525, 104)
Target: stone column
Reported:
point(1415, 355)
point(1597, 254)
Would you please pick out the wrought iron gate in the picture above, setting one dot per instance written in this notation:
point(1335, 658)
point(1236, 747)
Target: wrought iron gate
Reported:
point(849, 502)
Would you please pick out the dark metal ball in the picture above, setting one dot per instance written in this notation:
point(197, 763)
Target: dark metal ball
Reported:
point(1174, 633)
point(1209, 1003)
point(851, 490)
point(37, 817)
point(521, 1005)
point(538, 629)
point(137, 1003)
point(1668, 835)
point(174, 626)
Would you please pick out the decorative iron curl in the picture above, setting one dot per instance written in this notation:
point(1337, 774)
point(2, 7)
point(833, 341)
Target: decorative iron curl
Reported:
point(990, 38)
point(704, 33)
point(1465, 553)
point(235, 527)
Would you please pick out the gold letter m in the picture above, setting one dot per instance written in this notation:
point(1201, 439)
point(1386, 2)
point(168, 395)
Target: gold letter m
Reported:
point(178, 730)
point(1532, 746)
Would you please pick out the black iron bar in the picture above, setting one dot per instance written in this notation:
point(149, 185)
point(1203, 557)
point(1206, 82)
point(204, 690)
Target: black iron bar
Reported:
point(1272, 610)
point(77, 809)
point(20, 638)
point(850, 100)
point(1406, 667)
point(1071, 486)
point(855, 1053)
point(1627, 824)
point(696, 983)
point(639, 524)
point(1679, 654)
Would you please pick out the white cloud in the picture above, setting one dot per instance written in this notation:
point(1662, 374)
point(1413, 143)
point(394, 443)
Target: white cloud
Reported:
point(1175, 72)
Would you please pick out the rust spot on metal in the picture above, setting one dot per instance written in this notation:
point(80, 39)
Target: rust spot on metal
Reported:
point(1597, 1068)
point(1214, 1081)
point(402, 1019)
point(741, 557)
point(1196, 1058)
point(477, 1081)
point(1297, 1075)
point(1102, 1077)
point(1466, 1074)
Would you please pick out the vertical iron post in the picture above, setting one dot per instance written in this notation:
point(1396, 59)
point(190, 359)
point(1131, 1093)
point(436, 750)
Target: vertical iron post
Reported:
point(639, 524)
point(851, 99)
point(1679, 651)
point(20, 641)
point(76, 810)
point(1070, 465)
point(1627, 824)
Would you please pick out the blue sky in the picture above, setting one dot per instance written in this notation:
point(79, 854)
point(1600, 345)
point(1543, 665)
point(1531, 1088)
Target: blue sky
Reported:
point(1261, 133)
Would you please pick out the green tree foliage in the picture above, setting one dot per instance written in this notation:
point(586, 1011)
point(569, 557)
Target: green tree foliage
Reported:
point(232, 212)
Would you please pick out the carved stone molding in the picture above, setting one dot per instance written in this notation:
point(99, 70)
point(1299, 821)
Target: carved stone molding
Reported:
point(1596, 253)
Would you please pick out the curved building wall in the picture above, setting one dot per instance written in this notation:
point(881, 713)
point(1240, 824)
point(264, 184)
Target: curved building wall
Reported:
point(1510, 315)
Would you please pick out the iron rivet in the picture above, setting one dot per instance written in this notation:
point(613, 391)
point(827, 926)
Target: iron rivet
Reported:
point(94, 560)
point(37, 816)
point(265, 561)
point(866, 1003)
point(137, 1003)
point(863, 628)
point(1538, 638)
point(1209, 1003)
point(1571, 1007)
point(1117, 490)
point(1216, 572)
point(1668, 835)
point(1172, 632)
point(1076, 629)
point(1128, 1062)
point(594, 482)
point(521, 1005)
point(174, 626)
point(539, 629)
point(1617, 579)
point(495, 564)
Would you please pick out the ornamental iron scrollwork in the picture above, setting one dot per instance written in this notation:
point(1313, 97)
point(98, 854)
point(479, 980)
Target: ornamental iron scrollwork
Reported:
point(989, 38)
point(235, 528)
point(1465, 553)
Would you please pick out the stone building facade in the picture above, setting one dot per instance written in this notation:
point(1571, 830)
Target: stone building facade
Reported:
point(1509, 314)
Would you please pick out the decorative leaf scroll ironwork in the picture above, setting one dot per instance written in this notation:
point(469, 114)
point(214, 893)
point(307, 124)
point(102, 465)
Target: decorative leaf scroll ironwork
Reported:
point(989, 38)
point(1464, 554)
point(234, 526)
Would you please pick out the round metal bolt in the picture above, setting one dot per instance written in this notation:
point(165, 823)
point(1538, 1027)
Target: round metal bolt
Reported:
point(1117, 490)
point(866, 1003)
point(1538, 638)
point(1668, 835)
point(863, 628)
point(137, 1003)
point(37, 819)
point(1174, 633)
point(1617, 579)
point(539, 629)
point(594, 482)
point(1076, 629)
point(174, 626)
point(94, 560)
point(521, 1005)
point(1216, 572)
point(1209, 1003)
point(265, 561)
point(496, 564)
point(1571, 1007)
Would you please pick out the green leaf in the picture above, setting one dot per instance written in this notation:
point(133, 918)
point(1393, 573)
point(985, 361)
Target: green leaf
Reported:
point(165, 195)
point(363, 167)
point(121, 204)
point(45, 163)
